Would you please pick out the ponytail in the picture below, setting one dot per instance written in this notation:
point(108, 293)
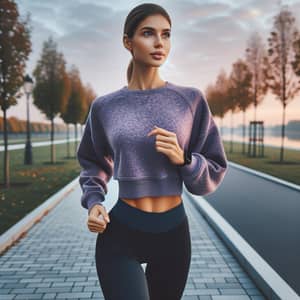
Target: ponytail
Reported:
point(129, 70)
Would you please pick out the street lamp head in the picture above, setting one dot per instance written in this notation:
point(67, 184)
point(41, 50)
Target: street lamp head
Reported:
point(28, 84)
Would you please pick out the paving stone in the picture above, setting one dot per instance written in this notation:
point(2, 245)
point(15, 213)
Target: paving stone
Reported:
point(55, 260)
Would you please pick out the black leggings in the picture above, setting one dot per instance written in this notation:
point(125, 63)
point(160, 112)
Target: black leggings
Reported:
point(133, 236)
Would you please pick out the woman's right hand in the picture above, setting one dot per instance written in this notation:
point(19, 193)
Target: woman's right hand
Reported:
point(96, 224)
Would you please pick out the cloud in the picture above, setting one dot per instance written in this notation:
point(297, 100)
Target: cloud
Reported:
point(206, 36)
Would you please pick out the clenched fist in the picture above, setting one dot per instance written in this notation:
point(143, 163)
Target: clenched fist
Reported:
point(98, 218)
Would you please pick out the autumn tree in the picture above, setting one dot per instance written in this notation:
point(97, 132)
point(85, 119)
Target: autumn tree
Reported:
point(242, 82)
point(216, 95)
point(221, 87)
point(15, 47)
point(282, 79)
point(257, 61)
point(234, 94)
point(52, 87)
point(77, 104)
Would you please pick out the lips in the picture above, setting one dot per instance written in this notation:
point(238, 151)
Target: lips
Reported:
point(158, 53)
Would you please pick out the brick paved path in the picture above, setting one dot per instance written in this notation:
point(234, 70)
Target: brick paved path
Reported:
point(56, 261)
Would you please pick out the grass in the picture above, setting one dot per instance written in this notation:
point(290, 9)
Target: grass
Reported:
point(288, 170)
point(32, 185)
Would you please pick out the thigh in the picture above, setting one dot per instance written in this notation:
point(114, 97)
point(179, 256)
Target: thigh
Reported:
point(120, 275)
point(167, 273)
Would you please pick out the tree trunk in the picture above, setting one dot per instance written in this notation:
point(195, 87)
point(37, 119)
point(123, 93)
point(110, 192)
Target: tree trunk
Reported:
point(254, 132)
point(75, 139)
point(282, 134)
point(244, 131)
point(53, 160)
point(68, 141)
point(6, 153)
point(231, 138)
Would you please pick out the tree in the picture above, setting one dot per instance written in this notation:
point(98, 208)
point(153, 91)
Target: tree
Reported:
point(15, 47)
point(221, 87)
point(90, 96)
point(257, 61)
point(282, 79)
point(240, 92)
point(52, 87)
point(77, 104)
point(216, 96)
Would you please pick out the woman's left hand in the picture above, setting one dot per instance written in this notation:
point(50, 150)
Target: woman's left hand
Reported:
point(166, 142)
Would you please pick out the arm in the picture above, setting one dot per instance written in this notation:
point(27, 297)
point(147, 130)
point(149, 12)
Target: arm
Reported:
point(208, 159)
point(95, 158)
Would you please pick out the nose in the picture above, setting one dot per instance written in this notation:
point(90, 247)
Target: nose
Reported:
point(158, 41)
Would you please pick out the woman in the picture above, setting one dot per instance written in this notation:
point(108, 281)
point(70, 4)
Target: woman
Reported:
point(152, 136)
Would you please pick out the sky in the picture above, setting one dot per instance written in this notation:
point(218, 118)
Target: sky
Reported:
point(207, 36)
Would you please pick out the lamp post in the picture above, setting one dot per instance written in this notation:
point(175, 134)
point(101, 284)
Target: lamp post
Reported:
point(28, 86)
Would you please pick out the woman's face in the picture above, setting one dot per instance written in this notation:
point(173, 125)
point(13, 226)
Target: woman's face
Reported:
point(151, 35)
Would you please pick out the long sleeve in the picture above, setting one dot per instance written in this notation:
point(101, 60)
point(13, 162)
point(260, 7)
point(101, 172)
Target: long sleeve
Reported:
point(95, 157)
point(209, 163)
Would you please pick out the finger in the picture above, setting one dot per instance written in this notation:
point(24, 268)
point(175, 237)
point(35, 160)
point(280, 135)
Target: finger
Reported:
point(96, 227)
point(96, 220)
point(163, 131)
point(165, 151)
point(165, 145)
point(167, 139)
point(105, 216)
point(150, 133)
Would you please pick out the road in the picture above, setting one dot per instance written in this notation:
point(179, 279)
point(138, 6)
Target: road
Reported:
point(267, 215)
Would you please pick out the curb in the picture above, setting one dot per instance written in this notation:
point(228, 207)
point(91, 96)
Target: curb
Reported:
point(17, 231)
point(263, 275)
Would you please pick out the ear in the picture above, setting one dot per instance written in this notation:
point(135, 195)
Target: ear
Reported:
point(127, 42)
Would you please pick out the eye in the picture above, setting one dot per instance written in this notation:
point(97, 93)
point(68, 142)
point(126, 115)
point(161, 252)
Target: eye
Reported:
point(147, 31)
point(168, 34)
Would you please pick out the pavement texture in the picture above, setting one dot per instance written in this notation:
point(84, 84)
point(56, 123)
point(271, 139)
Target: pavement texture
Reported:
point(55, 260)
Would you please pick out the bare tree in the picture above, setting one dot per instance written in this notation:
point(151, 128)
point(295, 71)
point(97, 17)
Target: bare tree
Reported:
point(282, 78)
point(15, 47)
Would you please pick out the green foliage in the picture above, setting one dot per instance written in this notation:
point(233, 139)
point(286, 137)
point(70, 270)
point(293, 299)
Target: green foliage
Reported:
point(52, 87)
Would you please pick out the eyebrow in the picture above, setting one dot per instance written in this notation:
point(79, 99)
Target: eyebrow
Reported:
point(151, 28)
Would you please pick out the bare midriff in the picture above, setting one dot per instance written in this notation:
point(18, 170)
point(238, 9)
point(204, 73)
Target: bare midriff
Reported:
point(154, 204)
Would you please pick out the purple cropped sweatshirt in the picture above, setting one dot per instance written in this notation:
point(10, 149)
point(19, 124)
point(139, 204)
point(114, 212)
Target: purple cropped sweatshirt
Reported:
point(115, 143)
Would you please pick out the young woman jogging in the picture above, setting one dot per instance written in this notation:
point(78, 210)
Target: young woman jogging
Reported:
point(152, 136)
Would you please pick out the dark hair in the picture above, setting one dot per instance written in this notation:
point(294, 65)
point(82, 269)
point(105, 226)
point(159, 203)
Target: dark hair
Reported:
point(135, 17)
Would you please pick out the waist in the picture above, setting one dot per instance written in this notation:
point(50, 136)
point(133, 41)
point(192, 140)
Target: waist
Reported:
point(154, 204)
point(154, 222)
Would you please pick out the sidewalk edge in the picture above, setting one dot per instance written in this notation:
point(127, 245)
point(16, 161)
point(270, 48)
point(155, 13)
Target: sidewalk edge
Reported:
point(264, 276)
point(17, 231)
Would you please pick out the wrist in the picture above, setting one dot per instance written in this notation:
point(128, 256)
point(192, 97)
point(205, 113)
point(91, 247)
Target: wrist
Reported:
point(187, 157)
